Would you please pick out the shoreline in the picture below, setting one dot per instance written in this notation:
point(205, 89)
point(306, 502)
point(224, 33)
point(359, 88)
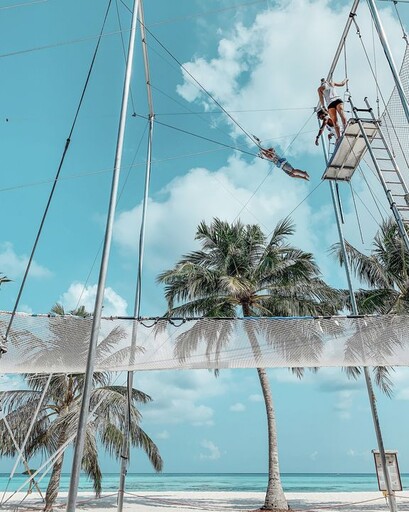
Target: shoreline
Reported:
point(195, 501)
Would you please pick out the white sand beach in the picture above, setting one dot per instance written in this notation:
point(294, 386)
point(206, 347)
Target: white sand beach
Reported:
point(215, 501)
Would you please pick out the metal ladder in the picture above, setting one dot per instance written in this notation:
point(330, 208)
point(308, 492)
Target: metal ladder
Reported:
point(388, 171)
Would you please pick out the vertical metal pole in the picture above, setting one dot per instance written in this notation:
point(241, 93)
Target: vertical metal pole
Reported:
point(382, 36)
point(82, 422)
point(138, 294)
point(354, 307)
point(137, 310)
point(396, 214)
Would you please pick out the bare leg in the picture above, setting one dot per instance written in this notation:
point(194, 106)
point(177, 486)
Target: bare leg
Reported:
point(340, 110)
point(333, 115)
point(298, 173)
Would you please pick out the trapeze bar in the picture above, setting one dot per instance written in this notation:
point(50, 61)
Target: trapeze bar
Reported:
point(349, 150)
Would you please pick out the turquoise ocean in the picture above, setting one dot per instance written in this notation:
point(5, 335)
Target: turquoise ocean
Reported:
point(292, 482)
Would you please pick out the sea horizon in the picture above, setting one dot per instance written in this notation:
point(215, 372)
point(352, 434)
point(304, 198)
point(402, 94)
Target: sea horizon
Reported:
point(224, 482)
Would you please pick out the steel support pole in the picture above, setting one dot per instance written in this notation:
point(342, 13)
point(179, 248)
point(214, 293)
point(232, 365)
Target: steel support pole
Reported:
point(396, 214)
point(354, 307)
point(125, 454)
point(82, 422)
point(343, 38)
point(137, 311)
point(382, 36)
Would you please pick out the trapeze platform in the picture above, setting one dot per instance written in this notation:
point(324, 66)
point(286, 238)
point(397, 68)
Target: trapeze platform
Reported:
point(350, 150)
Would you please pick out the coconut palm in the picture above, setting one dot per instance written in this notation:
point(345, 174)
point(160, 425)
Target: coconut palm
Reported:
point(239, 271)
point(57, 421)
point(385, 271)
point(4, 279)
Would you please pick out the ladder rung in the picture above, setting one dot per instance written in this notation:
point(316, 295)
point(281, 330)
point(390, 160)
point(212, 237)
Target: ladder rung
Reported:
point(388, 170)
point(393, 182)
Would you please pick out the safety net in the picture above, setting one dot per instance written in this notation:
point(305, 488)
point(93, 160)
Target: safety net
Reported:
point(59, 344)
point(394, 122)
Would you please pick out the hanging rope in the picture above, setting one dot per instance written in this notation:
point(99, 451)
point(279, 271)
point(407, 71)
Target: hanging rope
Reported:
point(67, 144)
point(376, 70)
point(380, 92)
point(201, 87)
point(356, 213)
point(404, 34)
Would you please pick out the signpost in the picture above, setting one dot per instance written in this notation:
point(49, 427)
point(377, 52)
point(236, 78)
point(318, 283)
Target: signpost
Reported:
point(392, 468)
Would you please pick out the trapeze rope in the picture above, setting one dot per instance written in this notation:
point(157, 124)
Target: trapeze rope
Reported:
point(119, 198)
point(67, 143)
point(201, 87)
point(356, 214)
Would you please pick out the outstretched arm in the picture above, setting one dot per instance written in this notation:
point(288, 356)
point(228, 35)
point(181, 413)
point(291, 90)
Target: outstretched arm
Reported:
point(321, 97)
point(341, 84)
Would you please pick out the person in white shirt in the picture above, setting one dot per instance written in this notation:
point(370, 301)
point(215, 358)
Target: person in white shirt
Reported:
point(333, 102)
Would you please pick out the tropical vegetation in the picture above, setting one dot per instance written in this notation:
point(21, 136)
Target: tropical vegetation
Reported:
point(241, 272)
point(57, 419)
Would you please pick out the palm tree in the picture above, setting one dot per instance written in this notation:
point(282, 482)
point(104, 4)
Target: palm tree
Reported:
point(385, 271)
point(4, 279)
point(239, 271)
point(58, 417)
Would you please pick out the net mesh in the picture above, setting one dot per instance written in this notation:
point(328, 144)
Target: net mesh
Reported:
point(394, 122)
point(59, 344)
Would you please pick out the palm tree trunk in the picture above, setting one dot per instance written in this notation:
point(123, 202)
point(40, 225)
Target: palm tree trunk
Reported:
point(54, 483)
point(275, 498)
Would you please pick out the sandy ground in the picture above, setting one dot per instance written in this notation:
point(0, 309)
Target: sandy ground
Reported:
point(215, 501)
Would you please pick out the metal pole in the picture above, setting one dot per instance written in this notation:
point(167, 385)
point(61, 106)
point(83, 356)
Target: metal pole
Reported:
point(354, 307)
point(389, 57)
point(396, 214)
point(125, 454)
point(137, 309)
point(79, 444)
point(343, 38)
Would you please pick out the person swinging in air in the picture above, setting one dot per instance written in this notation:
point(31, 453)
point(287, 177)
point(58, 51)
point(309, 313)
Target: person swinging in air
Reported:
point(327, 122)
point(271, 155)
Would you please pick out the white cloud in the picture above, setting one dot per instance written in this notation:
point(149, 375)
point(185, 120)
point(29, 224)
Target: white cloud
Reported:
point(178, 397)
point(14, 265)
point(343, 406)
point(80, 295)
point(163, 435)
point(314, 455)
point(255, 398)
point(213, 452)
point(238, 407)
point(263, 65)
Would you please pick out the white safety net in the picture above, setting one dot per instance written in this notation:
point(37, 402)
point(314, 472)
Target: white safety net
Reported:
point(395, 125)
point(59, 344)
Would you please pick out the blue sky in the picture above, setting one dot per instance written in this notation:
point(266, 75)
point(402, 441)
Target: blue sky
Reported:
point(262, 61)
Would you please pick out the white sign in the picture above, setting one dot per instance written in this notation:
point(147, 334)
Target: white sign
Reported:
point(392, 468)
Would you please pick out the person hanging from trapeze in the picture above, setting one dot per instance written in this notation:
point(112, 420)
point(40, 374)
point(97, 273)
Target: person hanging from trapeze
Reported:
point(323, 116)
point(333, 102)
point(271, 155)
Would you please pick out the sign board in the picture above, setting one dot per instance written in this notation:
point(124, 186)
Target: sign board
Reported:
point(392, 468)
